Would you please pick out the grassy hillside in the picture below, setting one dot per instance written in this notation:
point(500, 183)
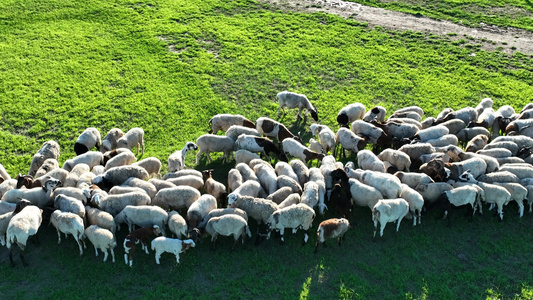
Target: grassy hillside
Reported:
point(168, 66)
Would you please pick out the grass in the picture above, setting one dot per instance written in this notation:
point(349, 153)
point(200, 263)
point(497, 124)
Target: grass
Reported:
point(168, 66)
point(504, 13)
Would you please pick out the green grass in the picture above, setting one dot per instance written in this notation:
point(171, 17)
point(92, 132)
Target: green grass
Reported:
point(168, 66)
point(504, 13)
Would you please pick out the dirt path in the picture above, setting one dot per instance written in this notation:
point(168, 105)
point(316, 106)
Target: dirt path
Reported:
point(492, 36)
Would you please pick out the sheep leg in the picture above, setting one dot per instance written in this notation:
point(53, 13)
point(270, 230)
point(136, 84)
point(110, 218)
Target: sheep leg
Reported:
point(520, 208)
point(398, 224)
point(105, 255)
point(500, 211)
point(299, 114)
point(198, 155)
point(383, 224)
point(142, 145)
point(145, 248)
point(208, 157)
point(281, 232)
point(178, 258)
point(79, 245)
point(234, 243)
point(157, 257)
point(96, 251)
point(306, 237)
point(59, 237)
point(112, 254)
point(213, 241)
point(491, 206)
point(316, 247)
point(11, 257)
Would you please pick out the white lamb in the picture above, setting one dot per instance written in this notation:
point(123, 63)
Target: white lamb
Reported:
point(21, 226)
point(294, 216)
point(267, 177)
point(257, 208)
point(152, 165)
point(100, 218)
point(74, 175)
point(176, 197)
point(315, 146)
point(133, 138)
point(69, 204)
point(199, 208)
point(301, 170)
point(389, 210)
point(177, 224)
point(234, 179)
point(176, 161)
point(225, 121)
point(293, 100)
point(364, 194)
point(163, 244)
point(387, 184)
point(102, 239)
point(326, 137)
point(208, 143)
point(110, 140)
point(68, 223)
point(227, 225)
point(37, 196)
point(397, 158)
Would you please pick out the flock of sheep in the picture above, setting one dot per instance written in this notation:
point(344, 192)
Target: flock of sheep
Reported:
point(414, 165)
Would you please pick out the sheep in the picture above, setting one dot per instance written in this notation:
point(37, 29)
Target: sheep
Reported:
point(460, 196)
point(492, 193)
point(477, 165)
point(100, 218)
point(5, 218)
point(213, 187)
point(79, 194)
point(267, 177)
point(175, 246)
point(49, 149)
point(68, 223)
point(235, 130)
point(477, 143)
point(199, 208)
point(208, 143)
point(90, 158)
point(484, 104)
point(295, 149)
point(87, 140)
point(466, 134)
point(141, 235)
point(431, 191)
point(177, 224)
point(518, 194)
point(131, 139)
point(315, 175)
point(328, 165)
point(258, 144)
point(492, 163)
point(123, 159)
point(102, 239)
point(496, 152)
point(349, 140)
point(518, 170)
point(430, 121)
point(406, 114)
point(397, 158)
point(511, 146)
point(286, 181)
point(430, 133)
point(363, 194)
point(273, 129)
point(176, 161)
point(142, 216)
point(415, 200)
point(436, 169)
point(217, 212)
point(388, 185)
point(110, 140)
point(292, 199)
point(74, 175)
point(245, 156)
point(118, 175)
point(365, 129)
point(520, 140)
point(350, 113)
point(500, 176)
point(340, 201)
point(413, 179)
point(180, 173)
point(485, 119)
point(310, 194)
point(518, 126)
point(226, 225)
point(367, 160)
point(7, 185)
point(225, 121)
point(160, 184)
point(315, 146)
point(256, 208)
point(295, 216)
point(250, 188)
point(325, 135)
point(118, 190)
point(453, 125)
point(114, 204)
point(301, 170)
point(176, 197)
point(247, 172)
point(283, 168)
point(398, 130)
point(22, 225)
point(466, 114)
point(111, 154)
point(416, 150)
point(445, 140)
point(390, 210)
point(37, 196)
point(331, 228)
point(69, 204)
point(280, 195)
point(526, 114)
point(152, 165)
point(377, 113)
point(293, 100)
point(47, 166)
point(234, 179)
point(148, 187)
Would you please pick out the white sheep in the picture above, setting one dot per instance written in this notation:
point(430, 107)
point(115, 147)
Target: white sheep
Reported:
point(283, 168)
point(413, 179)
point(292, 199)
point(294, 148)
point(148, 187)
point(499, 176)
point(87, 140)
point(4, 175)
point(90, 158)
point(37, 196)
point(445, 140)
point(68, 223)
point(5, 218)
point(163, 244)
point(315, 146)
point(496, 152)
point(466, 134)
point(142, 216)
point(188, 180)
point(331, 228)
point(102, 239)
point(182, 173)
point(122, 159)
point(21, 226)
point(49, 149)
point(80, 194)
point(235, 130)
point(250, 188)
point(518, 194)
point(466, 114)
point(177, 224)
point(176, 161)
point(74, 175)
point(176, 197)
point(47, 166)
point(454, 125)
point(267, 177)
point(286, 181)
point(521, 171)
point(227, 225)
point(350, 113)
point(247, 172)
point(364, 194)
point(257, 208)
point(367, 160)
point(431, 191)
point(484, 104)
point(208, 143)
point(511, 146)
point(244, 156)
point(133, 138)
point(160, 184)
point(349, 140)
point(377, 113)
point(301, 170)
point(118, 190)
point(365, 129)
point(118, 175)
point(100, 218)
point(110, 140)
point(234, 179)
point(217, 212)
point(398, 130)
point(199, 208)
point(69, 204)
point(397, 158)
point(280, 195)
point(310, 195)
point(225, 121)
point(152, 165)
point(389, 210)
point(432, 132)
point(293, 100)
point(387, 184)
point(477, 165)
point(294, 216)
point(114, 204)
point(326, 137)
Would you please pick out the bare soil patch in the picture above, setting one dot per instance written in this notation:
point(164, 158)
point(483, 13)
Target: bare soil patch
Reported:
point(490, 37)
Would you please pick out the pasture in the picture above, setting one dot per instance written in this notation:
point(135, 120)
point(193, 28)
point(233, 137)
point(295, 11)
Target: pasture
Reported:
point(168, 66)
